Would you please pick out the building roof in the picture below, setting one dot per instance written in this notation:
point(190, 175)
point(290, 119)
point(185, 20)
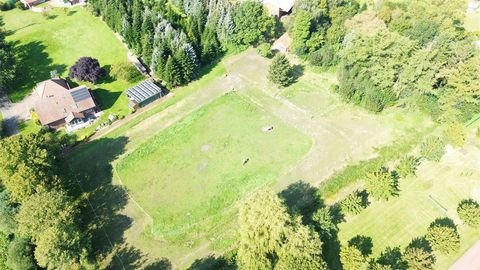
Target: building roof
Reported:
point(57, 101)
point(29, 2)
point(283, 43)
point(285, 5)
point(470, 260)
point(143, 91)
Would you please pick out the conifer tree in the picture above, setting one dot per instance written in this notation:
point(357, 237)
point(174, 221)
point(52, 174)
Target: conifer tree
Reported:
point(280, 71)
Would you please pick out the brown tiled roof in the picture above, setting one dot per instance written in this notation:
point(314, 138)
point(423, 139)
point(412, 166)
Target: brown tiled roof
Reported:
point(57, 101)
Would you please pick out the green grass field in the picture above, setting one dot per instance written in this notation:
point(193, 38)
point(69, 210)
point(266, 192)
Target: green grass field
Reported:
point(188, 176)
point(435, 192)
point(55, 42)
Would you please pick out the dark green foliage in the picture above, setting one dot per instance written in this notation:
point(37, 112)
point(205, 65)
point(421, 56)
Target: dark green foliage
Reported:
point(469, 212)
point(7, 60)
point(324, 221)
point(173, 72)
point(407, 166)
point(325, 57)
point(443, 236)
point(392, 257)
point(20, 254)
point(432, 149)
point(353, 204)
point(381, 184)
point(8, 211)
point(280, 71)
point(422, 31)
point(252, 23)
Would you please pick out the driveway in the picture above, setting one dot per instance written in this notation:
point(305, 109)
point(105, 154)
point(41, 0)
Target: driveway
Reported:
point(14, 113)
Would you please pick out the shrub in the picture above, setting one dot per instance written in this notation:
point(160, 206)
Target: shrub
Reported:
point(455, 134)
point(469, 212)
point(126, 72)
point(20, 5)
point(432, 149)
point(325, 57)
point(381, 184)
point(280, 71)
point(7, 5)
point(443, 236)
point(353, 204)
point(407, 167)
point(351, 258)
point(265, 50)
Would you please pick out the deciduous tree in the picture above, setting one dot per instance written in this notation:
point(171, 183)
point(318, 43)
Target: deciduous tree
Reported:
point(87, 69)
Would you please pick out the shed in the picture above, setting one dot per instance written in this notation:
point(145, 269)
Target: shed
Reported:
point(144, 93)
point(282, 44)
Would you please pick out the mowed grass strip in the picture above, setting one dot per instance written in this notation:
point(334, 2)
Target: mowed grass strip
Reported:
point(188, 176)
point(435, 193)
point(55, 41)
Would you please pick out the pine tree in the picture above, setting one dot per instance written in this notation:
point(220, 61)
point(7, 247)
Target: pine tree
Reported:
point(280, 71)
point(172, 73)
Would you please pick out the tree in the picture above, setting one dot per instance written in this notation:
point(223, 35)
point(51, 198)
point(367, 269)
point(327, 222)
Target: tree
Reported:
point(469, 212)
point(8, 223)
point(20, 254)
point(351, 258)
point(418, 259)
point(252, 23)
point(432, 149)
point(280, 71)
point(443, 236)
point(51, 219)
point(27, 165)
point(270, 239)
point(301, 31)
point(302, 250)
point(381, 184)
point(172, 73)
point(87, 69)
point(262, 221)
point(7, 61)
point(407, 166)
point(353, 204)
point(323, 219)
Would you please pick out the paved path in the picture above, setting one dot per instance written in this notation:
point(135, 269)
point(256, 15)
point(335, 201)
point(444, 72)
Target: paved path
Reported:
point(14, 113)
point(9, 119)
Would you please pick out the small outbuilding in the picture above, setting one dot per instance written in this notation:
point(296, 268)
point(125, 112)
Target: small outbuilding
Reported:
point(282, 44)
point(144, 93)
point(31, 3)
point(279, 8)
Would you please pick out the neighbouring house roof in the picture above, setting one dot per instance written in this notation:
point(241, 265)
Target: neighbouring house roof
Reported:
point(285, 5)
point(470, 260)
point(29, 2)
point(57, 101)
point(144, 91)
point(283, 43)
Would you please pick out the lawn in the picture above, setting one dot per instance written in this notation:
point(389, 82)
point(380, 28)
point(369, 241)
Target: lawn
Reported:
point(55, 42)
point(435, 192)
point(189, 176)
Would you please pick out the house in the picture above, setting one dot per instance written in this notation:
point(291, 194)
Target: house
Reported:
point(279, 8)
point(60, 106)
point(144, 93)
point(282, 44)
point(31, 3)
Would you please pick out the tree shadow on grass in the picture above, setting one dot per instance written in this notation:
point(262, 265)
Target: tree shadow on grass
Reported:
point(91, 164)
point(130, 258)
point(392, 257)
point(105, 98)
point(33, 65)
point(71, 12)
point(363, 243)
point(211, 262)
point(301, 199)
point(304, 199)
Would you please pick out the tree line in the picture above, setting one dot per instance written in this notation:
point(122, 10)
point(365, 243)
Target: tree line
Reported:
point(412, 53)
point(176, 38)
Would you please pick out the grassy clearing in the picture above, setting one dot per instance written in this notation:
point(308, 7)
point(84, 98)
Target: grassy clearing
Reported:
point(55, 42)
point(187, 176)
point(398, 221)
